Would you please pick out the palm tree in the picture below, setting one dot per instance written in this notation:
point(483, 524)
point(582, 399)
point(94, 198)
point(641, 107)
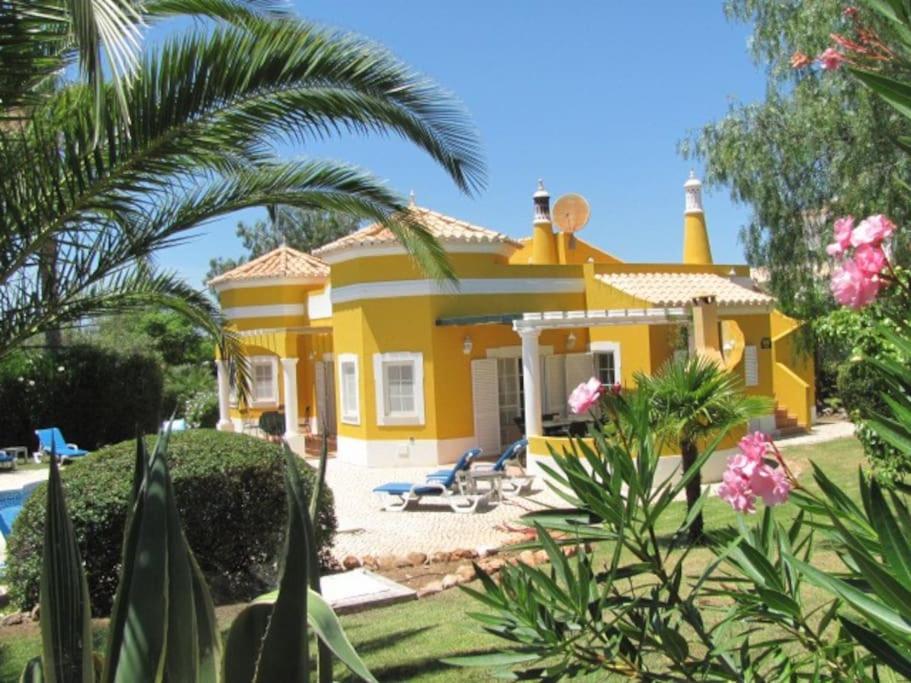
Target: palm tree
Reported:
point(110, 172)
point(693, 400)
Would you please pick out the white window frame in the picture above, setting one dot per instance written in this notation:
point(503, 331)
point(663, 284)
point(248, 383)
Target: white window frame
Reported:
point(380, 360)
point(349, 418)
point(597, 347)
point(269, 401)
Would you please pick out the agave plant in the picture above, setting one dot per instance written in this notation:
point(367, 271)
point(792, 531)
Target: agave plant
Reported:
point(163, 625)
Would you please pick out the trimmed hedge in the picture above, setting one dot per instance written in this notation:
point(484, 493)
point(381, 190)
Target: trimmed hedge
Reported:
point(94, 396)
point(231, 496)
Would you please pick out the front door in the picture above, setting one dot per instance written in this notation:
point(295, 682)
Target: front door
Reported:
point(325, 397)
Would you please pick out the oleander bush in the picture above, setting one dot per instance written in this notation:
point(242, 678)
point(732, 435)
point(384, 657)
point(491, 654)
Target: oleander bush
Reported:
point(231, 497)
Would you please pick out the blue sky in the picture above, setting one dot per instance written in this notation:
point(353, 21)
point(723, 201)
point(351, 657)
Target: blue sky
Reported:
point(593, 97)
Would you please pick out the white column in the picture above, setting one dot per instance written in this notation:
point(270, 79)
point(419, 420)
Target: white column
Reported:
point(531, 380)
point(224, 398)
point(289, 370)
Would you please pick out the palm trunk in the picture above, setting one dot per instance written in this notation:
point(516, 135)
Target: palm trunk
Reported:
point(689, 453)
point(47, 267)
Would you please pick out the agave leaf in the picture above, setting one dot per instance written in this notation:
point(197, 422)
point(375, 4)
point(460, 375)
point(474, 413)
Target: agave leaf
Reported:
point(244, 641)
point(208, 635)
point(66, 627)
point(285, 651)
point(329, 629)
point(120, 609)
point(33, 672)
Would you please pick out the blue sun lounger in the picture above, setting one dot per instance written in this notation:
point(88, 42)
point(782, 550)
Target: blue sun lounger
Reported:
point(511, 484)
point(50, 440)
point(446, 484)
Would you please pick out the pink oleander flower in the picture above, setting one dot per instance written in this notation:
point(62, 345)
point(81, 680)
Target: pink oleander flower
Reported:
point(585, 396)
point(872, 230)
point(831, 59)
point(844, 226)
point(870, 259)
point(853, 287)
point(616, 388)
point(849, 12)
point(736, 491)
point(749, 475)
point(771, 485)
point(755, 446)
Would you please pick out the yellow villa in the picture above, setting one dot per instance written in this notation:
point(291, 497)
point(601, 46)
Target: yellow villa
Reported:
point(356, 341)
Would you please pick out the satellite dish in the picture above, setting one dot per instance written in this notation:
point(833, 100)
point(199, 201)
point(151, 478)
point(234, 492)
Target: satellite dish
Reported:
point(571, 213)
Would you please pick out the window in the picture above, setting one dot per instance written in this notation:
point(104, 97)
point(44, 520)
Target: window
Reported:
point(347, 370)
point(264, 375)
point(605, 367)
point(399, 388)
point(606, 361)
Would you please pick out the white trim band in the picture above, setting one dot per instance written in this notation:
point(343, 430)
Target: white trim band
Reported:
point(271, 281)
point(485, 286)
point(342, 254)
point(271, 311)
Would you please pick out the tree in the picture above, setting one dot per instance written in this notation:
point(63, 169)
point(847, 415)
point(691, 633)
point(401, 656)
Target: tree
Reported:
point(693, 400)
point(114, 171)
point(300, 229)
point(819, 146)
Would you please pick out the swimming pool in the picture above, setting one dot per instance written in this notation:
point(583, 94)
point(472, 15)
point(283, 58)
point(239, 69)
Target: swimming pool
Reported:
point(11, 503)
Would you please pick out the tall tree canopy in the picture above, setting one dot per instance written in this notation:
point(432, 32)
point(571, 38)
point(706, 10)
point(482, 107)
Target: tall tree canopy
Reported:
point(819, 146)
point(301, 229)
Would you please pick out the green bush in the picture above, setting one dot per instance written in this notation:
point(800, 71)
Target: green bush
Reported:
point(201, 409)
point(183, 384)
point(861, 388)
point(94, 396)
point(231, 496)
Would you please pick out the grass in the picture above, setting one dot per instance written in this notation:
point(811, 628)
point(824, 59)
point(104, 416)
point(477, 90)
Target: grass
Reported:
point(406, 642)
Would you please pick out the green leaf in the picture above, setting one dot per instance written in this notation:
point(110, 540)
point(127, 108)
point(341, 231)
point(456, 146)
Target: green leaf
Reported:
point(895, 92)
point(327, 626)
point(493, 660)
point(895, 546)
point(33, 672)
point(66, 627)
point(284, 654)
point(244, 640)
point(897, 659)
point(779, 602)
point(875, 611)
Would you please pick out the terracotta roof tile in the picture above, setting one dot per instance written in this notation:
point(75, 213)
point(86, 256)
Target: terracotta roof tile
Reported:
point(444, 228)
point(679, 289)
point(281, 262)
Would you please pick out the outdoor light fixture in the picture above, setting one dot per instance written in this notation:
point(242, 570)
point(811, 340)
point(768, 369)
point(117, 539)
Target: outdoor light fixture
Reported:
point(570, 341)
point(467, 346)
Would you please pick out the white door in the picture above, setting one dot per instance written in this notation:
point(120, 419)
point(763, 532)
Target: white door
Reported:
point(485, 404)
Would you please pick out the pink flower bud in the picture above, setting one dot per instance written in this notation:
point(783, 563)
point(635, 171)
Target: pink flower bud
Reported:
point(831, 59)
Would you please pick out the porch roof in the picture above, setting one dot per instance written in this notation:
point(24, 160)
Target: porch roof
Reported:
point(601, 318)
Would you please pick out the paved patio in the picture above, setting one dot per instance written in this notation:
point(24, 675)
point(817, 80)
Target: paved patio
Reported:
point(365, 529)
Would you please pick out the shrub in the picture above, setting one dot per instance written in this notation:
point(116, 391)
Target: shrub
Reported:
point(201, 409)
point(184, 383)
point(231, 497)
point(94, 396)
point(862, 387)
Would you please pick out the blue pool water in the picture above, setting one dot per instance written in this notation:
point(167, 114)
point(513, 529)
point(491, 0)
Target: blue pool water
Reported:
point(11, 503)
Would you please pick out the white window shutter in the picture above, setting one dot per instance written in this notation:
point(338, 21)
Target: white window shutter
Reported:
point(580, 367)
point(485, 404)
point(554, 385)
point(750, 366)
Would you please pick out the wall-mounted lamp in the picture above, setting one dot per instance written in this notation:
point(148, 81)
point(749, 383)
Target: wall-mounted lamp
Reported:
point(467, 345)
point(570, 341)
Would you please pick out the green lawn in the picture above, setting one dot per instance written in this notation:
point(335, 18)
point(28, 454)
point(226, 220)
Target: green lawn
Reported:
point(406, 642)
